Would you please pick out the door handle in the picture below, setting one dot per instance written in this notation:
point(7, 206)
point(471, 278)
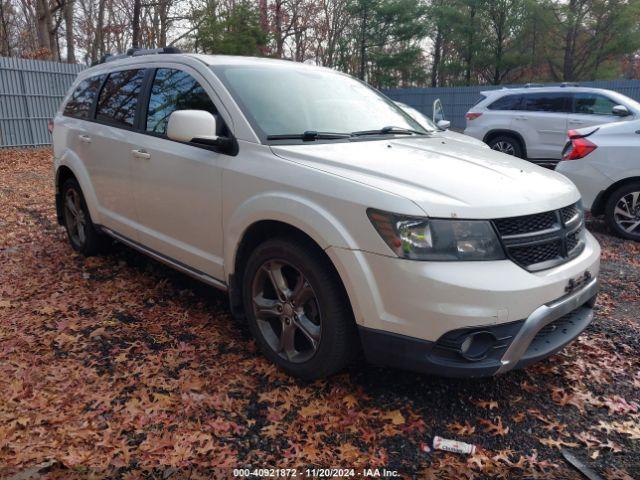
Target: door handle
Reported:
point(576, 122)
point(84, 138)
point(142, 153)
point(521, 118)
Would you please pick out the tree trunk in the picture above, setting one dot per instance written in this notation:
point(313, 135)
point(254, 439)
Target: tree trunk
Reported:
point(68, 24)
point(43, 27)
point(363, 42)
point(97, 49)
point(5, 48)
point(470, 47)
point(437, 55)
point(135, 41)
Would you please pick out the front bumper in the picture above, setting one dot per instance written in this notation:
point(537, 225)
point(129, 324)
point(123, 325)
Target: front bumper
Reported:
point(546, 331)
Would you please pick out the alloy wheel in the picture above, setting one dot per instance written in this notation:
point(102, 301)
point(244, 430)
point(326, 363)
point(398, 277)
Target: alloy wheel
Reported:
point(626, 213)
point(74, 217)
point(504, 147)
point(286, 310)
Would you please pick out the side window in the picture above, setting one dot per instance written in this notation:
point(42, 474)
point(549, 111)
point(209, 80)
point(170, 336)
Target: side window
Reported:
point(508, 102)
point(174, 90)
point(592, 104)
point(546, 102)
point(119, 97)
point(82, 98)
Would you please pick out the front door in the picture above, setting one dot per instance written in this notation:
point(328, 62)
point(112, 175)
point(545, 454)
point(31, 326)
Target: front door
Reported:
point(591, 109)
point(177, 186)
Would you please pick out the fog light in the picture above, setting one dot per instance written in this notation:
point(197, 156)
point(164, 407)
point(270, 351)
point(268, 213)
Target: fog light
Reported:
point(476, 346)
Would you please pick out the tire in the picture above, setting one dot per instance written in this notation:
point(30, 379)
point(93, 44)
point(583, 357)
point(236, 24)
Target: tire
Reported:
point(622, 211)
point(507, 144)
point(310, 306)
point(83, 235)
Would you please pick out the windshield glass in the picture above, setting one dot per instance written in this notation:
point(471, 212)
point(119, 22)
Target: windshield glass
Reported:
point(419, 117)
point(292, 99)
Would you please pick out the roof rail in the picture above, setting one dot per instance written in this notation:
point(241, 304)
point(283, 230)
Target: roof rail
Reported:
point(137, 52)
point(530, 85)
point(569, 84)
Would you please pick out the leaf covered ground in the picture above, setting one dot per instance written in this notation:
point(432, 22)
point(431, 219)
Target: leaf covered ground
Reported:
point(119, 365)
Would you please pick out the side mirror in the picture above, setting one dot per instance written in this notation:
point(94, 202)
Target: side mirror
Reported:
point(438, 111)
point(444, 124)
point(620, 111)
point(187, 125)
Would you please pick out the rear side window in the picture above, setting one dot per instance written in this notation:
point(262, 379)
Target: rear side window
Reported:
point(508, 102)
point(119, 97)
point(174, 90)
point(546, 102)
point(480, 99)
point(592, 104)
point(82, 98)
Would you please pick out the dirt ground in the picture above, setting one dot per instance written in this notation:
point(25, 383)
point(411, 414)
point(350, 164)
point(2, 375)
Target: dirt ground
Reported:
point(118, 365)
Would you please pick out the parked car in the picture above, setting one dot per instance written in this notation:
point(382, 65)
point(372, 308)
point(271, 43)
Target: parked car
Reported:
point(532, 123)
point(604, 163)
point(429, 125)
point(332, 218)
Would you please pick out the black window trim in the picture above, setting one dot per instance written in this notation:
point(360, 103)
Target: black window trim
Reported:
point(139, 122)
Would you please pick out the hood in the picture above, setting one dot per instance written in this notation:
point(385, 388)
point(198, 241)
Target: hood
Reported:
point(445, 177)
point(461, 137)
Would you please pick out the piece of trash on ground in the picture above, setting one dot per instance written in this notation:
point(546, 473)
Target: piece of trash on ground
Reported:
point(454, 446)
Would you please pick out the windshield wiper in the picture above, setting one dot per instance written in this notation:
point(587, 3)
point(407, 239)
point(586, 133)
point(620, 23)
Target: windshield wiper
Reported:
point(387, 131)
point(309, 136)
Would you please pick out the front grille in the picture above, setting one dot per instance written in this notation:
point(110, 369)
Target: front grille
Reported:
point(543, 240)
point(526, 224)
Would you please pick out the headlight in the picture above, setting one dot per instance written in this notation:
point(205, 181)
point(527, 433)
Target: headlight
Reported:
point(420, 238)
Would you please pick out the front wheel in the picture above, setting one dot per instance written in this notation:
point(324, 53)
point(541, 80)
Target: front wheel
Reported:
point(622, 211)
point(297, 309)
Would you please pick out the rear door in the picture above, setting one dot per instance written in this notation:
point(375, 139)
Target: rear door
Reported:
point(591, 109)
point(543, 123)
point(108, 137)
point(178, 186)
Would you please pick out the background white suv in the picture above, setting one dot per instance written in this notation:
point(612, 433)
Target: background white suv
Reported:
point(330, 216)
point(532, 122)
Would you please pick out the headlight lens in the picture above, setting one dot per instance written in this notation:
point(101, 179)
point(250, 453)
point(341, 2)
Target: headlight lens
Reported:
point(419, 238)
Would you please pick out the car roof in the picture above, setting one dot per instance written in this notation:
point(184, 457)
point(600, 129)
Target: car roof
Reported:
point(211, 60)
point(568, 88)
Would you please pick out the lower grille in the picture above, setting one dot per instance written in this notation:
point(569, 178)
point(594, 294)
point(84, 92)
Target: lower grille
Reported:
point(543, 240)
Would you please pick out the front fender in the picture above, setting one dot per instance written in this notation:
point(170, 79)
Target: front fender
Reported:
point(314, 220)
point(70, 160)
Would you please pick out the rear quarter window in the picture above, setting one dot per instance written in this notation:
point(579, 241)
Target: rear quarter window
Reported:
point(508, 102)
point(81, 101)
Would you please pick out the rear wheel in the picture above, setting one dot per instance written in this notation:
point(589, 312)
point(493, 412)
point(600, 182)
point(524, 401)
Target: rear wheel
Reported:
point(506, 144)
point(297, 309)
point(622, 211)
point(82, 233)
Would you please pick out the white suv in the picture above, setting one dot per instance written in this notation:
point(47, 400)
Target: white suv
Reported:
point(331, 217)
point(532, 122)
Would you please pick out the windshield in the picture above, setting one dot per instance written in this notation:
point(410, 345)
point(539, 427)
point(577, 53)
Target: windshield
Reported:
point(419, 117)
point(288, 100)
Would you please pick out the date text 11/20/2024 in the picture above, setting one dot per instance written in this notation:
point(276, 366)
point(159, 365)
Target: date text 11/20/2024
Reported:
point(316, 472)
